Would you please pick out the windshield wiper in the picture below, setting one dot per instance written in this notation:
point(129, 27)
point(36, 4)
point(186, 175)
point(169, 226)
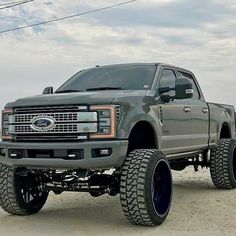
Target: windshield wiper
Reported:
point(69, 91)
point(104, 88)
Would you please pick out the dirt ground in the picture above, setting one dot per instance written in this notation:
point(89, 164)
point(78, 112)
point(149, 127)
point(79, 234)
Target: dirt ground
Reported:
point(198, 209)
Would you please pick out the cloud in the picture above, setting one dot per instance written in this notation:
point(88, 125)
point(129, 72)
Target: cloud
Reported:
point(198, 35)
point(183, 13)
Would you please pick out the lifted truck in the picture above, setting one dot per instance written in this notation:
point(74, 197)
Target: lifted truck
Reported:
point(135, 120)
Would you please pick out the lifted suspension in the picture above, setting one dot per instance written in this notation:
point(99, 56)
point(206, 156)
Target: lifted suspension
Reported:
point(202, 160)
point(94, 182)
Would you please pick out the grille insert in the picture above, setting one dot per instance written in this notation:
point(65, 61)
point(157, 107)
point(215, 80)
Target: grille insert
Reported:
point(72, 122)
point(58, 117)
point(59, 128)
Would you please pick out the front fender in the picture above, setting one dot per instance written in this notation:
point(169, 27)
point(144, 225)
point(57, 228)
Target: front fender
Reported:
point(136, 114)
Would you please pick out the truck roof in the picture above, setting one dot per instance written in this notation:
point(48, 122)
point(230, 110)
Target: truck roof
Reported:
point(145, 64)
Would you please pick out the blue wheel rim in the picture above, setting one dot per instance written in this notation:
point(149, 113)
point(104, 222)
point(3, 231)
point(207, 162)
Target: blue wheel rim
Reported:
point(161, 188)
point(234, 163)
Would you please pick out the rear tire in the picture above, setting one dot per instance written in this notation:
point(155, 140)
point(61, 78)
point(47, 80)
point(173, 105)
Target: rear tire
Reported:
point(223, 164)
point(146, 187)
point(19, 194)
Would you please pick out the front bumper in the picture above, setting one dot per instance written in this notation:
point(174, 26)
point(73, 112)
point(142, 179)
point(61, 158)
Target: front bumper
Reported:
point(115, 159)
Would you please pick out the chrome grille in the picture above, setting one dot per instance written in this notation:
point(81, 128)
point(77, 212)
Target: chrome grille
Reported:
point(62, 128)
point(59, 128)
point(71, 121)
point(59, 117)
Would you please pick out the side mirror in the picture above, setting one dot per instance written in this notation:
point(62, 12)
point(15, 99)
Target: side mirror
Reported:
point(163, 94)
point(48, 90)
point(183, 88)
point(164, 90)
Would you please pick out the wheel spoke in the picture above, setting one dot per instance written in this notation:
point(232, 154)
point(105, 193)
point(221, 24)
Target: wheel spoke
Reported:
point(23, 194)
point(28, 196)
point(31, 197)
point(30, 193)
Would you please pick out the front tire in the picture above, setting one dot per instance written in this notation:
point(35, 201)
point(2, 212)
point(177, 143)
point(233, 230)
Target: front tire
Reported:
point(223, 164)
point(146, 187)
point(19, 194)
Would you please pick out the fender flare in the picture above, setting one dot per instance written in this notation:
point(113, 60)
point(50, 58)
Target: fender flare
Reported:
point(151, 122)
point(226, 120)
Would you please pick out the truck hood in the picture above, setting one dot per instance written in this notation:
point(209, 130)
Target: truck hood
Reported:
point(83, 98)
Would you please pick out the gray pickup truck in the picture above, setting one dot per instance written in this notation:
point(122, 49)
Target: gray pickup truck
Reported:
point(116, 129)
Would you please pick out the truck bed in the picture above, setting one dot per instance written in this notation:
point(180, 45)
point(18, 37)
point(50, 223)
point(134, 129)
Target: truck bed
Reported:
point(218, 114)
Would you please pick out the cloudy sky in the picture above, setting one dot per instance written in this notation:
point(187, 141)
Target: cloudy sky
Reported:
point(195, 34)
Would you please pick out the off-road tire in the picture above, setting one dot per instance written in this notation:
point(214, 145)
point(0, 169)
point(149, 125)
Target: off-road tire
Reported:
point(136, 187)
point(11, 197)
point(223, 164)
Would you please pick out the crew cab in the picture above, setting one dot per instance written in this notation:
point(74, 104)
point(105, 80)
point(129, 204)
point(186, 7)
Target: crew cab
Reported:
point(138, 120)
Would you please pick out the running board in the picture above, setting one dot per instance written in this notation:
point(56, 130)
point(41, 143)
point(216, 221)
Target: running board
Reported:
point(184, 154)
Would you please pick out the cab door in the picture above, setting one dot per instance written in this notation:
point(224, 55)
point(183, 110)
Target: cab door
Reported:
point(199, 115)
point(175, 117)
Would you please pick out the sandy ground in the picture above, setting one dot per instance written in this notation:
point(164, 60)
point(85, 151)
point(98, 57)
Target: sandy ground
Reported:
point(198, 209)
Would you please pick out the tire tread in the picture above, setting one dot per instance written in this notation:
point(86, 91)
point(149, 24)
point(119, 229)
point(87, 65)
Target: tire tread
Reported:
point(219, 164)
point(132, 194)
point(8, 200)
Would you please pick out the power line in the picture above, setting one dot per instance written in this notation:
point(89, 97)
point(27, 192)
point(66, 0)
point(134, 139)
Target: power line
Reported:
point(13, 4)
point(9, 3)
point(67, 17)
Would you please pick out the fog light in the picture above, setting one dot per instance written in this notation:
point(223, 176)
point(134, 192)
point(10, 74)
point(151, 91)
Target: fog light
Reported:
point(104, 152)
point(76, 154)
point(16, 154)
point(101, 152)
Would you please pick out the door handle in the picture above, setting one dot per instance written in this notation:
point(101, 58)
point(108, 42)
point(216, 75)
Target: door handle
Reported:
point(187, 109)
point(205, 110)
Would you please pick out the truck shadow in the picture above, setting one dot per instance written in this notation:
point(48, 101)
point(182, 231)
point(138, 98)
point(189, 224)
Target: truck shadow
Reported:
point(71, 212)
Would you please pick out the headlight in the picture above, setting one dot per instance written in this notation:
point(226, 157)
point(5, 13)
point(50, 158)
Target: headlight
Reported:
point(6, 115)
point(106, 121)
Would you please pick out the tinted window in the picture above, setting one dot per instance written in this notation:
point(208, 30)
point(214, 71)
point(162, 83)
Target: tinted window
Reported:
point(168, 80)
point(124, 77)
point(196, 94)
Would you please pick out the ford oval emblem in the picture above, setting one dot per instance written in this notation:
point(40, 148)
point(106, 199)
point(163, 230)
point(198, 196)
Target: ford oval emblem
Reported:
point(43, 123)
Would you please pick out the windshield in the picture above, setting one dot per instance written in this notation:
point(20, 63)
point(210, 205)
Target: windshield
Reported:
point(137, 77)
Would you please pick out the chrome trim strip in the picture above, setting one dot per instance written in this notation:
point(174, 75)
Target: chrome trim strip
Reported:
point(50, 108)
point(182, 154)
point(64, 117)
